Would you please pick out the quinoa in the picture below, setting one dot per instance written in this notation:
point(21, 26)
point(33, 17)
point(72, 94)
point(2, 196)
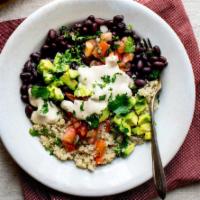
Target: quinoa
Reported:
point(84, 155)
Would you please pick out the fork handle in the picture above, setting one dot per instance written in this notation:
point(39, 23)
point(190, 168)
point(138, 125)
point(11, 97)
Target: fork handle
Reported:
point(158, 170)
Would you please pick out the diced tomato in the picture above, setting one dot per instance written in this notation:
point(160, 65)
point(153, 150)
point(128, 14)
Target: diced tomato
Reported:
point(121, 47)
point(100, 150)
point(127, 57)
point(70, 96)
point(103, 46)
point(82, 130)
point(100, 147)
point(99, 160)
point(69, 147)
point(77, 124)
point(108, 126)
point(69, 135)
point(89, 47)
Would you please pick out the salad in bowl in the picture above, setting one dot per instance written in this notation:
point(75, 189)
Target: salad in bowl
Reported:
point(87, 90)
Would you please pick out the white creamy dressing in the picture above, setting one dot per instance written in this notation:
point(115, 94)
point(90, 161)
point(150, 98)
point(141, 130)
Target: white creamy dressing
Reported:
point(91, 78)
point(38, 117)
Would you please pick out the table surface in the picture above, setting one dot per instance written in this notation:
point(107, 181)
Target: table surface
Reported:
point(9, 171)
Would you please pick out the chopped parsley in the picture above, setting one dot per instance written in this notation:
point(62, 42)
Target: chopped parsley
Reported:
point(74, 112)
point(34, 132)
point(102, 97)
point(40, 92)
point(45, 108)
point(82, 106)
point(129, 45)
point(93, 121)
point(120, 105)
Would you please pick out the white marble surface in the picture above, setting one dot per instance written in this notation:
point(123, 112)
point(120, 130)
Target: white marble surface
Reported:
point(9, 179)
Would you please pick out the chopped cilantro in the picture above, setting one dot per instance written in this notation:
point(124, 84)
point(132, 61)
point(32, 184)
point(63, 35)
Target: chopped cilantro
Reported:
point(102, 98)
point(82, 106)
point(74, 112)
point(34, 132)
point(129, 45)
point(40, 91)
point(45, 108)
point(106, 78)
point(155, 74)
point(115, 46)
point(115, 37)
point(120, 105)
point(58, 141)
point(93, 121)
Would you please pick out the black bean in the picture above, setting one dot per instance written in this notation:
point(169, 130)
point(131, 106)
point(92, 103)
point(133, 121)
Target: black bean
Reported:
point(140, 82)
point(144, 58)
point(25, 75)
point(128, 32)
point(140, 65)
point(100, 21)
point(24, 90)
point(129, 73)
point(163, 59)
point(149, 64)
point(114, 28)
point(121, 26)
point(154, 59)
point(137, 57)
point(85, 30)
point(136, 38)
point(45, 49)
point(94, 27)
point(60, 39)
point(25, 98)
point(118, 18)
point(157, 51)
point(35, 57)
point(146, 70)
point(27, 66)
point(29, 110)
point(52, 34)
point(34, 73)
point(88, 23)
point(63, 44)
point(109, 23)
point(159, 65)
point(65, 89)
point(74, 65)
point(92, 18)
point(138, 49)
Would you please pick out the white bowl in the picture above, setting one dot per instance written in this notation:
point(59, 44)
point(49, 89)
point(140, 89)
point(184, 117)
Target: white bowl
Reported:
point(173, 117)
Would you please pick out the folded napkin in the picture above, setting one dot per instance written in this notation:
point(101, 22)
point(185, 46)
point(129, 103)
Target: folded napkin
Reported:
point(184, 168)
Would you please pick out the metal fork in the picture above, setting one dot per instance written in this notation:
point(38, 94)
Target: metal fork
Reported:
point(158, 171)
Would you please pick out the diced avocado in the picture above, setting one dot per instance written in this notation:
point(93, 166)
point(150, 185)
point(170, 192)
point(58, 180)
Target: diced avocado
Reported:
point(137, 131)
point(131, 119)
point(82, 91)
point(57, 83)
point(55, 93)
point(144, 118)
point(140, 105)
point(73, 73)
point(48, 78)
point(145, 127)
point(117, 120)
point(128, 150)
point(147, 136)
point(65, 78)
point(45, 65)
point(125, 128)
point(105, 114)
point(60, 65)
point(132, 101)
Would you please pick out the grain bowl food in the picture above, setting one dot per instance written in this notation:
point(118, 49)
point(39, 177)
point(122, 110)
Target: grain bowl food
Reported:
point(87, 90)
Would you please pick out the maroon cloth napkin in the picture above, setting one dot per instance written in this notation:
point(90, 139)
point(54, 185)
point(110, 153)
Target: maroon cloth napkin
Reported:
point(184, 168)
